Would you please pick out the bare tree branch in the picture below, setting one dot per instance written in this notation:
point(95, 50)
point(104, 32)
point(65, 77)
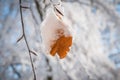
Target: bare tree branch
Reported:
point(24, 36)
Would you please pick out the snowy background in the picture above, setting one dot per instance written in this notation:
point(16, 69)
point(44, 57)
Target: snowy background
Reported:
point(94, 55)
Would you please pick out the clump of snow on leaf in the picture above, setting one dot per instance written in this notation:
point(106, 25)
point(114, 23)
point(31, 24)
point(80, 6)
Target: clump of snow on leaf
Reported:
point(49, 28)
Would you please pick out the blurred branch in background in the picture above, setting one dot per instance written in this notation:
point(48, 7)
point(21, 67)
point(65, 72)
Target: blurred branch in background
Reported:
point(39, 9)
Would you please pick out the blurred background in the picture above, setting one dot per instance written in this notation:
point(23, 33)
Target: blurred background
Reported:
point(94, 55)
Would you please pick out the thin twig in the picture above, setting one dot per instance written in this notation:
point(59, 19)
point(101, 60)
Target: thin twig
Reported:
point(20, 38)
point(23, 32)
point(25, 7)
point(24, 36)
point(33, 52)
